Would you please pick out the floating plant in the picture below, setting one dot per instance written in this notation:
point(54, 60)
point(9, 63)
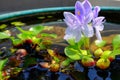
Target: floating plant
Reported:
point(31, 56)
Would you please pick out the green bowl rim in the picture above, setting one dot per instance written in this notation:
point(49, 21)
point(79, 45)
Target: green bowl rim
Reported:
point(41, 10)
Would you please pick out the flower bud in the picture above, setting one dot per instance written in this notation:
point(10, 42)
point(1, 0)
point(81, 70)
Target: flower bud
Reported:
point(98, 52)
point(54, 67)
point(111, 58)
point(44, 64)
point(21, 52)
point(28, 41)
point(87, 61)
point(103, 63)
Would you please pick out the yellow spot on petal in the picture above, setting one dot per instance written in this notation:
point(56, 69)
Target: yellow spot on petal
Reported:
point(78, 12)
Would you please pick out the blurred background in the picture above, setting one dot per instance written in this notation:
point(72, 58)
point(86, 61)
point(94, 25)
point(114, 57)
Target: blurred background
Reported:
point(17, 5)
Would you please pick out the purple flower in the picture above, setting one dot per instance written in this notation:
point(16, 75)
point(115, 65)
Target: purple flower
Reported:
point(84, 13)
point(98, 22)
point(73, 30)
point(83, 22)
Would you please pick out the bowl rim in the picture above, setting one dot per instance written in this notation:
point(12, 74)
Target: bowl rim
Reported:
point(9, 15)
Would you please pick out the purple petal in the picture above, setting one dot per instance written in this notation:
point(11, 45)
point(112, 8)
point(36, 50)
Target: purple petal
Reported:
point(87, 6)
point(78, 36)
point(71, 20)
point(98, 35)
point(100, 27)
point(88, 31)
point(68, 30)
point(96, 11)
point(68, 36)
point(98, 21)
point(79, 11)
point(89, 17)
point(73, 34)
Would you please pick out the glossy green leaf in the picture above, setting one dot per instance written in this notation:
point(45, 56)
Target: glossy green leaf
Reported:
point(37, 29)
point(106, 54)
point(116, 42)
point(24, 36)
point(36, 40)
point(116, 52)
point(4, 35)
point(73, 53)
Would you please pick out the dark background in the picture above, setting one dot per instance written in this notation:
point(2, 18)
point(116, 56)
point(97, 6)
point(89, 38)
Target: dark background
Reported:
point(17, 5)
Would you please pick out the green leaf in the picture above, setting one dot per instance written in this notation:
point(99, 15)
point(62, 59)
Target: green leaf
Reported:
point(100, 43)
point(1, 76)
point(24, 36)
point(36, 40)
point(106, 54)
point(72, 53)
point(116, 42)
point(66, 62)
point(48, 35)
point(37, 29)
point(2, 63)
point(81, 42)
point(24, 31)
point(41, 17)
point(84, 52)
point(56, 59)
point(18, 23)
point(3, 26)
point(71, 41)
point(4, 35)
point(16, 41)
point(116, 52)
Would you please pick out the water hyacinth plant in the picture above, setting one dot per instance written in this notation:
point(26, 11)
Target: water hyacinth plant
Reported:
point(32, 55)
point(83, 25)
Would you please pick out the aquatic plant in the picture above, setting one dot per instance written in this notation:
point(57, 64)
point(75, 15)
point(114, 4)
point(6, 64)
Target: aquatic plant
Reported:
point(31, 53)
point(82, 26)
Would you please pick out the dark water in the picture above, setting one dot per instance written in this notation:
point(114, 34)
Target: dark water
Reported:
point(36, 72)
